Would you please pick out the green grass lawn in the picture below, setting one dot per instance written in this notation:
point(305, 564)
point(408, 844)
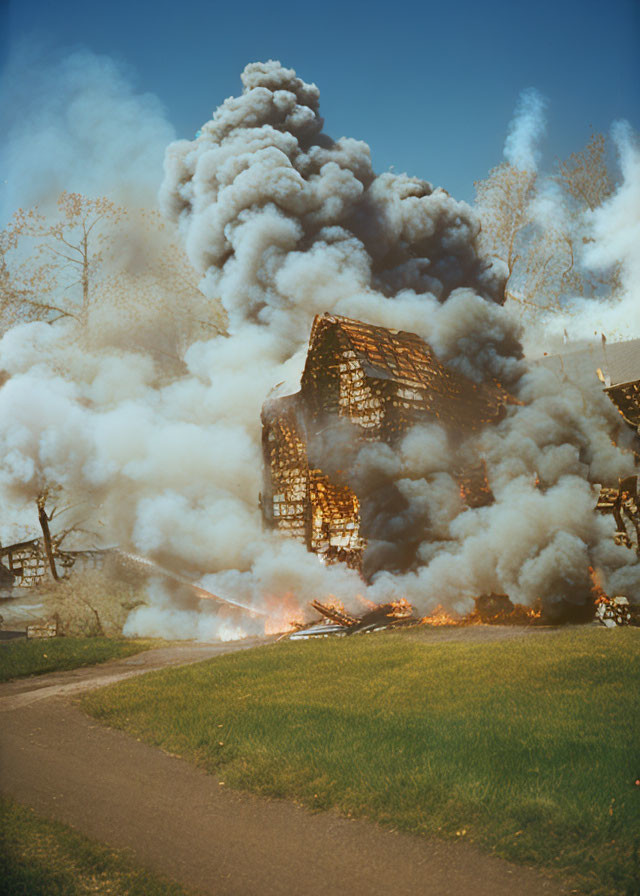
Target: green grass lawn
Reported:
point(44, 858)
point(529, 746)
point(21, 657)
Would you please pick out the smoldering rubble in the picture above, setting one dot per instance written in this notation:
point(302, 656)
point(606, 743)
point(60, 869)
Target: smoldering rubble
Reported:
point(284, 224)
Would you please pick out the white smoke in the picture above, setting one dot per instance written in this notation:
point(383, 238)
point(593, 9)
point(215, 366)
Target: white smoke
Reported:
point(74, 123)
point(612, 239)
point(162, 615)
point(521, 148)
point(282, 222)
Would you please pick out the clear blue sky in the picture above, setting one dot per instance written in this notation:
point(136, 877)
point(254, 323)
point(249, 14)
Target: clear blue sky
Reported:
point(430, 86)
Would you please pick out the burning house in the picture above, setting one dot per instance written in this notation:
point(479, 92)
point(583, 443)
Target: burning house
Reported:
point(382, 382)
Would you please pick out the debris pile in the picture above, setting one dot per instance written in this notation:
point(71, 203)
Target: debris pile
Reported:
point(440, 616)
point(339, 622)
point(498, 609)
point(490, 609)
point(613, 611)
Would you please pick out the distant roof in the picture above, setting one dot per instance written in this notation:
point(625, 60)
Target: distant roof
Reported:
point(407, 359)
point(618, 361)
point(621, 361)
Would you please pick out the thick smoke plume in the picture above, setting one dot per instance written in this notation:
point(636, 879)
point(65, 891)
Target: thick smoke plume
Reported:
point(283, 222)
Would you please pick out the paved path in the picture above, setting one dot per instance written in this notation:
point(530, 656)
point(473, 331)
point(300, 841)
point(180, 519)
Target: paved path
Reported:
point(23, 691)
point(184, 823)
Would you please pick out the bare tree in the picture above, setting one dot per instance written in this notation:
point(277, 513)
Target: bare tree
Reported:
point(150, 284)
point(90, 255)
point(585, 176)
point(538, 259)
point(44, 520)
point(586, 182)
point(13, 293)
point(537, 227)
point(52, 263)
point(504, 200)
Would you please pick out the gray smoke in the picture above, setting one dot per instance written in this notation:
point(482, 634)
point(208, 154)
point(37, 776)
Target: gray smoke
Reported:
point(284, 223)
point(540, 536)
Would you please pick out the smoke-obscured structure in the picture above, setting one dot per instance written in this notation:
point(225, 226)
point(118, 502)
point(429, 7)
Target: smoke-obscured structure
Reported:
point(360, 384)
point(284, 224)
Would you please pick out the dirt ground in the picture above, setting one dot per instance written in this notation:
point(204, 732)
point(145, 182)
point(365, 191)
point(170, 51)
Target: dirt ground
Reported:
point(184, 823)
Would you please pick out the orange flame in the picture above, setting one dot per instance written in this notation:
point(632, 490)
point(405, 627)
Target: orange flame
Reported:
point(285, 614)
point(333, 603)
point(369, 604)
point(600, 596)
point(401, 607)
point(440, 616)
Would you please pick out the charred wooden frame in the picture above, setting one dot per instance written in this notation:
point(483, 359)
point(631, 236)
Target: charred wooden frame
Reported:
point(383, 382)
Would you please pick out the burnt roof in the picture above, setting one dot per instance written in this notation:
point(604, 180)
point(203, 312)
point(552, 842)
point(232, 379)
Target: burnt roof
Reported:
point(405, 358)
point(19, 546)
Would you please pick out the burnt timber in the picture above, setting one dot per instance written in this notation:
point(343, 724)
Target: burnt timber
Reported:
point(623, 503)
point(385, 381)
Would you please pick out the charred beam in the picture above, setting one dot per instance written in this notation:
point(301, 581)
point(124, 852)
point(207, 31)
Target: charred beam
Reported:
point(334, 614)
